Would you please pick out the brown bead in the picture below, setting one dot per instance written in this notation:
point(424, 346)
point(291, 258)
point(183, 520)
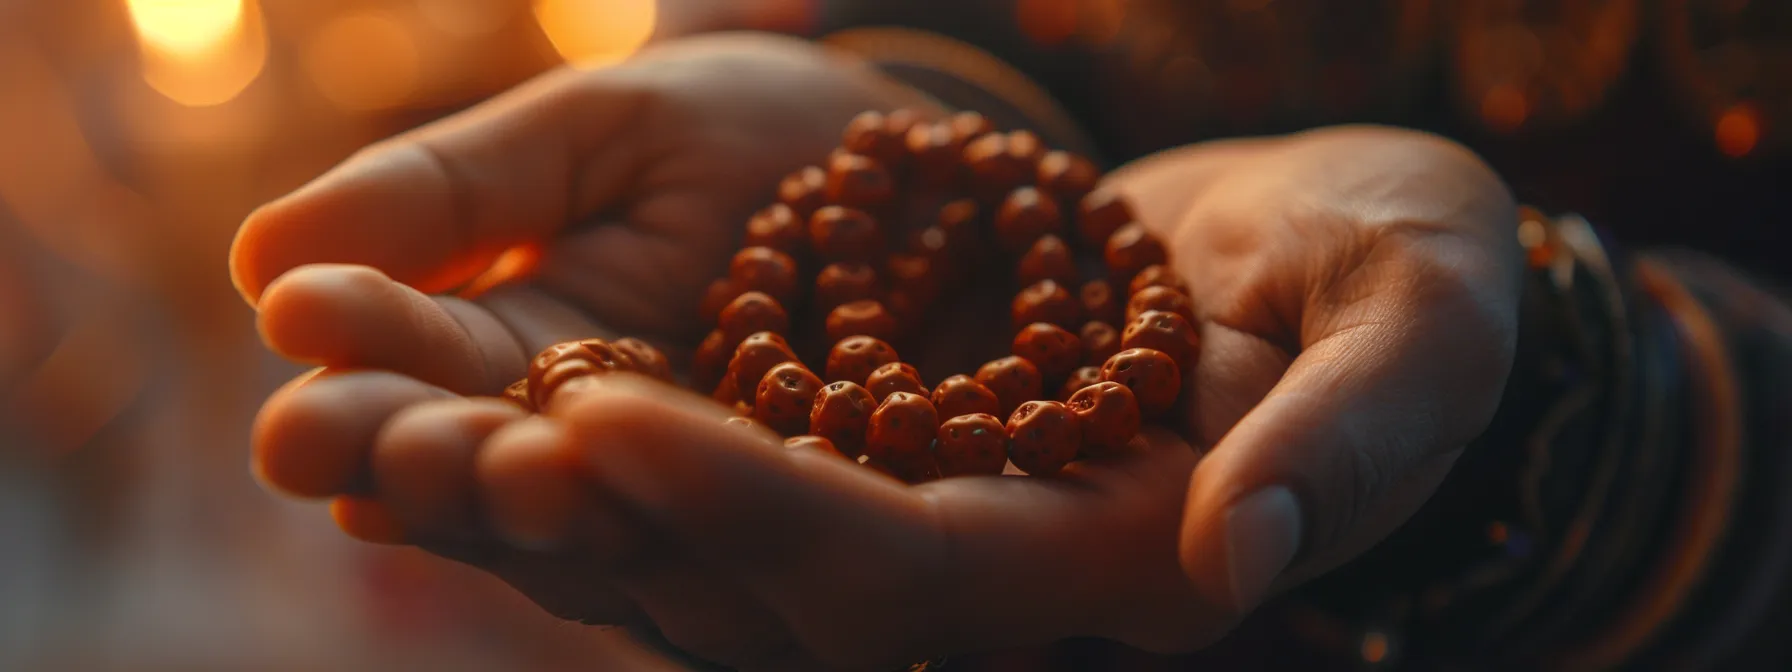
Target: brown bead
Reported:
point(643, 358)
point(845, 234)
point(842, 414)
point(1131, 249)
point(710, 361)
point(857, 181)
point(1164, 332)
point(750, 313)
point(1152, 375)
point(1014, 380)
point(1050, 347)
point(1043, 437)
point(763, 269)
point(861, 318)
point(967, 126)
point(1047, 302)
point(1025, 215)
point(1160, 298)
point(934, 151)
point(1100, 302)
point(844, 283)
point(562, 362)
point(518, 393)
point(895, 377)
point(975, 444)
point(1100, 341)
point(1066, 176)
point(1079, 379)
point(804, 191)
point(1048, 259)
point(754, 357)
point(720, 292)
point(877, 135)
point(784, 398)
point(1109, 415)
point(853, 359)
point(1101, 213)
point(816, 443)
point(902, 429)
point(727, 393)
point(1156, 275)
point(994, 168)
point(963, 395)
point(778, 227)
point(960, 220)
point(914, 275)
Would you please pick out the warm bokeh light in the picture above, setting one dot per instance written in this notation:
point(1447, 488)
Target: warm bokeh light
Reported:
point(1738, 129)
point(591, 33)
point(467, 17)
point(1046, 22)
point(190, 27)
point(1504, 108)
point(199, 52)
point(364, 60)
point(1102, 21)
point(1375, 647)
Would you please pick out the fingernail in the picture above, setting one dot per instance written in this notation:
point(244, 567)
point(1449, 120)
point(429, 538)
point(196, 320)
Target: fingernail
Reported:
point(1263, 533)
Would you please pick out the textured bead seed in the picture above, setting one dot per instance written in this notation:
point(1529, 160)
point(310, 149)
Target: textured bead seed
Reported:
point(1162, 299)
point(804, 191)
point(717, 296)
point(1048, 259)
point(727, 393)
point(1047, 302)
point(967, 126)
point(1066, 176)
point(974, 444)
point(895, 377)
point(857, 181)
point(561, 362)
point(754, 357)
point(1043, 437)
point(1100, 341)
point(877, 135)
point(861, 318)
point(1164, 332)
point(1109, 416)
point(778, 227)
point(842, 414)
point(643, 358)
point(1101, 213)
point(1079, 379)
point(1051, 348)
point(710, 361)
point(844, 283)
point(963, 395)
point(763, 269)
point(960, 219)
point(993, 167)
point(853, 359)
point(845, 234)
point(1099, 302)
point(1152, 375)
point(518, 393)
point(935, 153)
point(815, 443)
point(1014, 380)
point(1131, 249)
point(902, 429)
point(913, 275)
point(753, 312)
point(1026, 145)
point(784, 398)
point(1156, 275)
point(1025, 215)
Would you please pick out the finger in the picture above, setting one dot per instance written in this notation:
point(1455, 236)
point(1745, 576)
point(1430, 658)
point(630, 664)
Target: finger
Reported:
point(434, 207)
point(312, 437)
point(367, 520)
point(1414, 348)
point(355, 316)
point(423, 464)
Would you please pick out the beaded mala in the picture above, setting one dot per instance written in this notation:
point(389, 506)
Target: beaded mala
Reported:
point(858, 254)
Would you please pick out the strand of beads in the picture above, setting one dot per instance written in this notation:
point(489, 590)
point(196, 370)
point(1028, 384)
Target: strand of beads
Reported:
point(857, 255)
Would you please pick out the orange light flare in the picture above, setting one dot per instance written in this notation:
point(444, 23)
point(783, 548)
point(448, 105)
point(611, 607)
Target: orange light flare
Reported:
point(514, 265)
point(1738, 130)
point(596, 33)
point(364, 60)
point(1504, 108)
point(199, 53)
point(1048, 23)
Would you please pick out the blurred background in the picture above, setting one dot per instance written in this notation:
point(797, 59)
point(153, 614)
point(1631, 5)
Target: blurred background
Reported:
point(136, 134)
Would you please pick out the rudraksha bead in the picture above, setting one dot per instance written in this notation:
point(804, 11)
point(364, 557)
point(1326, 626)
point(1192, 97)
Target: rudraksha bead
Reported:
point(1152, 375)
point(1066, 176)
point(784, 398)
point(1156, 275)
point(763, 269)
point(1109, 416)
point(780, 228)
point(934, 153)
point(710, 361)
point(717, 296)
point(1158, 297)
point(842, 414)
point(1132, 249)
point(963, 395)
point(1100, 214)
point(861, 318)
point(804, 191)
point(878, 135)
point(754, 357)
point(1100, 303)
point(1014, 380)
point(895, 377)
point(914, 275)
point(993, 167)
point(644, 358)
point(1043, 437)
point(1164, 332)
point(518, 393)
point(845, 234)
point(753, 312)
point(843, 283)
point(853, 359)
point(561, 362)
point(1025, 215)
point(1048, 259)
point(1051, 348)
point(975, 444)
point(902, 429)
point(1046, 301)
point(1079, 379)
point(857, 181)
point(967, 126)
point(1100, 341)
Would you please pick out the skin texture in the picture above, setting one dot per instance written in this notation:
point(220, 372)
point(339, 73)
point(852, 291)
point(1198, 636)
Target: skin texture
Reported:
point(1356, 290)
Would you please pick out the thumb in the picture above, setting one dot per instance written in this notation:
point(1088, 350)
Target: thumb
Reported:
point(1407, 367)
